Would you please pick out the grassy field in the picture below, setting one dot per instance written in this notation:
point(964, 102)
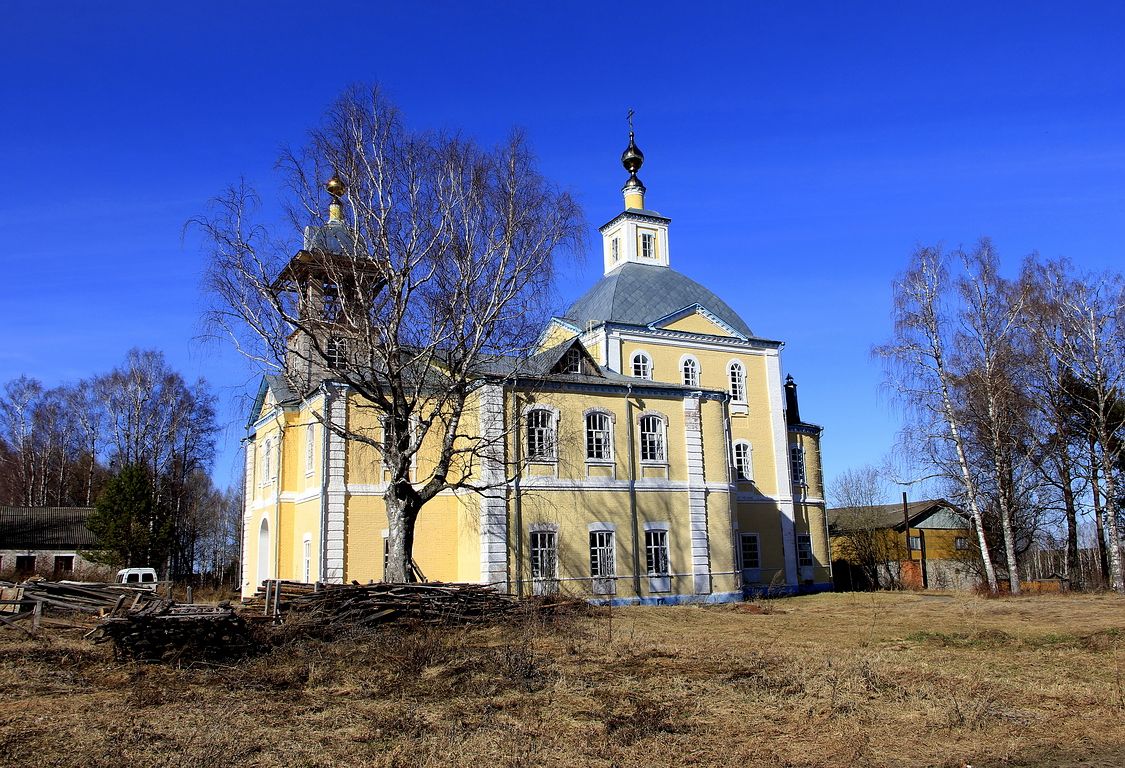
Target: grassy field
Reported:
point(831, 680)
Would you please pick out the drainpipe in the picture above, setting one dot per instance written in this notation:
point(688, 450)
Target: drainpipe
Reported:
point(633, 490)
point(517, 509)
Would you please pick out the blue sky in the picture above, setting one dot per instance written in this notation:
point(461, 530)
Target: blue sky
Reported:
point(801, 149)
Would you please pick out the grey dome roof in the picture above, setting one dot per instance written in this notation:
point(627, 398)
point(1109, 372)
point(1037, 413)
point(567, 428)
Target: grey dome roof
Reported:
point(639, 294)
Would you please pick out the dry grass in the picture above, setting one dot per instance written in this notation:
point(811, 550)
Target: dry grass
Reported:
point(830, 680)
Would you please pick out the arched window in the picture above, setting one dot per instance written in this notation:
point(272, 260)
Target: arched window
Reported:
point(652, 439)
point(690, 368)
point(743, 461)
point(599, 436)
point(642, 366)
point(737, 382)
point(540, 435)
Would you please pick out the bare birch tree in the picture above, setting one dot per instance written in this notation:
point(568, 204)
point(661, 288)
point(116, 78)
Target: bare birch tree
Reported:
point(989, 361)
point(1089, 311)
point(919, 370)
point(432, 272)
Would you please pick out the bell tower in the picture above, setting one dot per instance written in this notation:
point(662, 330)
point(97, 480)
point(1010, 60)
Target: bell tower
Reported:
point(636, 235)
point(333, 281)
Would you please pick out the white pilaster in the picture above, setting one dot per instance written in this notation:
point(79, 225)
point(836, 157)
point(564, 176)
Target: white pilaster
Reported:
point(247, 516)
point(336, 413)
point(697, 497)
point(493, 502)
point(781, 461)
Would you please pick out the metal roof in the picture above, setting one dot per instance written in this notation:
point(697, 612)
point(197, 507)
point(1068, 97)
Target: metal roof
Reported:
point(639, 294)
point(889, 515)
point(46, 528)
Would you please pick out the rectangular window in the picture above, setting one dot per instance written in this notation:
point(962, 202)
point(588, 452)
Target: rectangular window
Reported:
point(25, 563)
point(656, 561)
point(615, 247)
point(603, 564)
point(544, 562)
point(64, 564)
point(598, 446)
point(309, 449)
point(797, 464)
point(308, 561)
point(961, 543)
point(540, 436)
point(656, 552)
point(748, 550)
point(648, 246)
point(804, 550)
point(652, 438)
point(914, 543)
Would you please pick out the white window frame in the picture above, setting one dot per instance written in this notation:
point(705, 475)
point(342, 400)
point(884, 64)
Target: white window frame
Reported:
point(546, 450)
point(661, 435)
point(743, 466)
point(336, 352)
point(572, 361)
point(658, 558)
point(267, 462)
point(736, 381)
point(797, 465)
point(750, 570)
point(648, 245)
point(689, 371)
point(615, 249)
point(603, 558)
point(641, 365)
point(543, 554)
point(306, 558)
point(805, 557)
point(961, 543)
point(310, 448)
point(608, 457)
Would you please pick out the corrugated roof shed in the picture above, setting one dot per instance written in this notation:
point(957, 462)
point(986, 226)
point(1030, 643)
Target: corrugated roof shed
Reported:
point(46, 528)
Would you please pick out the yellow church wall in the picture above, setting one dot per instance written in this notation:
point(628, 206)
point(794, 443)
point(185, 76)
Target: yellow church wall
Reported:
point(468, 538)
point(697, 323)
point(436, 538)
point(306, 522)
point(555, 334)
point(810, 519)
point(764, 519)
point(754, 425)
point(571, 512)
point(814, 475)
point(716, 455)
point(724, 566)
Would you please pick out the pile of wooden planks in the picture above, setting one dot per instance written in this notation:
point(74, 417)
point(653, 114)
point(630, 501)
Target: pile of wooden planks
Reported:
point(83, 597)
point(167, 631)
point(366, 605)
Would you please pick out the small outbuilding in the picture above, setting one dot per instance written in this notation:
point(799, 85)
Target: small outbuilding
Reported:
point(926, 544)
point(45, 541)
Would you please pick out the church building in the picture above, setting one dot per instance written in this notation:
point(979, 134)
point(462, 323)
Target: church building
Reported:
point(652, 453)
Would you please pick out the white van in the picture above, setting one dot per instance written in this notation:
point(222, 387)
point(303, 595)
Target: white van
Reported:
point(137, 577)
